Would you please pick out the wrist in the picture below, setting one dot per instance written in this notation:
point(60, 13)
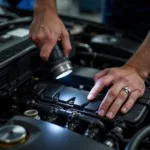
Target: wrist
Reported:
point(44, 5)
point(143, 73)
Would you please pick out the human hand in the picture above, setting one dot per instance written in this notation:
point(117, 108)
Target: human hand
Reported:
point(46, 29)
point(116, 97)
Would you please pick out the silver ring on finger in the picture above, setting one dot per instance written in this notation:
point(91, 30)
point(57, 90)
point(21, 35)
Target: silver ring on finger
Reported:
point(126, 90)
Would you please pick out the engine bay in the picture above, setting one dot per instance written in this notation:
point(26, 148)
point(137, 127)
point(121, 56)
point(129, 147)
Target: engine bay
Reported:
point(55, 114)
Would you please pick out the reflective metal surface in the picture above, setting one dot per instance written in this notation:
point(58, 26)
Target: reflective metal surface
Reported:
point(109, 143)
point(105, 39)
point(10, 134)
point(64, 74)
point(64, 68)
point(32, 113)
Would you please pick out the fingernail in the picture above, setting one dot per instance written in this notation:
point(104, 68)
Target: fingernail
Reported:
point(110, 115)
point(101, 112)
point(124, 110)
point(90, 97)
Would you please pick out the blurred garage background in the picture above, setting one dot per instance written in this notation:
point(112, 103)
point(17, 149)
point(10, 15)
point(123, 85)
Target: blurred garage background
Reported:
point(126, 15)
point(79, 8)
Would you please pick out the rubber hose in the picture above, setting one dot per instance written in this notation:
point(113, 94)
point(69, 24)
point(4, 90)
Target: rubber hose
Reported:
point(137, 139)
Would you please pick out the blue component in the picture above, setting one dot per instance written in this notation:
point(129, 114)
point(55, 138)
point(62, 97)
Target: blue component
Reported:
point(26, 4)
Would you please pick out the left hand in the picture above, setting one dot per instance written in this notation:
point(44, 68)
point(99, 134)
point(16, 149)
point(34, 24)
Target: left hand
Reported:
point(116, 97)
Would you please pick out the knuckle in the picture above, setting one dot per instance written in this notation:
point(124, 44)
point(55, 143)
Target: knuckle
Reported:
point(118, 103)
point(129, 104)
point(122, 96)
point(33, 38)
point(105, 105)
point(40, 37)
point(52, 37)
point(112, 94)
point(102, 82)
point(106, 70)
point(66, 34)
point(116, 106)
point(114, 73)
point(125, 79)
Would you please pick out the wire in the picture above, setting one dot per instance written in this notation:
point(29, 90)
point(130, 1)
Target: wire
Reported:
point(53, 105)
point(15, 22)
point(117, 145)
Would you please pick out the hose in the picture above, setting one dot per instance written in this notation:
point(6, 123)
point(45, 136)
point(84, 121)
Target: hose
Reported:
point(137, 139)
point(17, 21)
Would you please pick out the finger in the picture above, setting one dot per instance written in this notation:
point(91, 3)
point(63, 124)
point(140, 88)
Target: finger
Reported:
point(110, 97)
point(131, 100)
point(34, 40)
point(100, 84)
point(38, 40)
point(100, 74)
point(34, 30)
point(121, 98)
point(47, 49)
point(41, 39)
point(66, 43)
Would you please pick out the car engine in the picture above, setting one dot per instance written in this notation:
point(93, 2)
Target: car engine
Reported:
point(38, 112)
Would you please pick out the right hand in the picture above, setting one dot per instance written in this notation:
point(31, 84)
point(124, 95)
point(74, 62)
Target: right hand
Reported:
point(46, 29)
point(116, 98)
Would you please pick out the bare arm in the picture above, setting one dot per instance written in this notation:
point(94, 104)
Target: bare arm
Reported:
point(132, 75)
point(42, 4)
point(141, 59)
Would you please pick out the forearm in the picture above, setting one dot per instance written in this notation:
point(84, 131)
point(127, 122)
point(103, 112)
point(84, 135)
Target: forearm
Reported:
point(43, 4)
point(141, 59)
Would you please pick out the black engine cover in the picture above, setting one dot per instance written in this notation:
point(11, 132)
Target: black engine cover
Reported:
point(43, 135)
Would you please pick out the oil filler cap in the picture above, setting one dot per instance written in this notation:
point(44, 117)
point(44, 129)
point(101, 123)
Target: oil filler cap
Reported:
point(12, 135)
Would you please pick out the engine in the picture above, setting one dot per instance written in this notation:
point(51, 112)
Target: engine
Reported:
point(39, 112)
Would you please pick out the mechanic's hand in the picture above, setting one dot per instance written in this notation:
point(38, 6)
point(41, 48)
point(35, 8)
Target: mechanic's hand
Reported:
point(46, 29)
point(116, 97)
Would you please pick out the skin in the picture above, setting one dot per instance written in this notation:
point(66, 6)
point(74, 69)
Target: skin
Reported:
point(46, 29)
point(132, 74)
